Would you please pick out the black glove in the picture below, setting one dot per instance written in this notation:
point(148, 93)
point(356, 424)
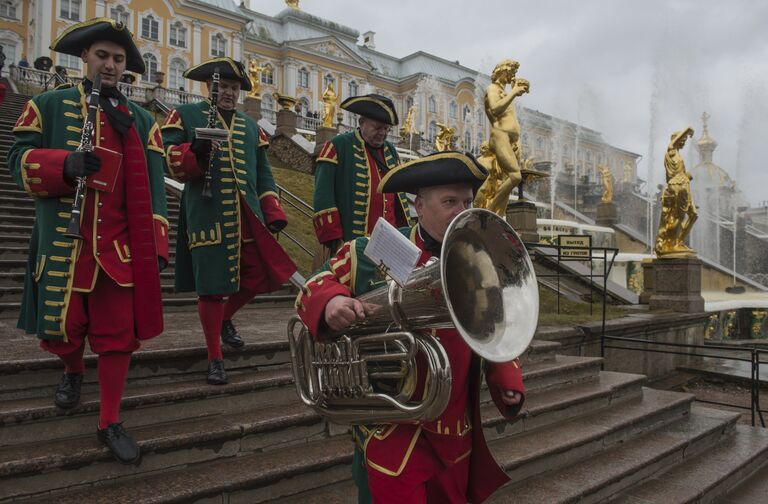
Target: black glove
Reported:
point(277, 226)
point(161, 264)
point(81, 164)
point(201, 147)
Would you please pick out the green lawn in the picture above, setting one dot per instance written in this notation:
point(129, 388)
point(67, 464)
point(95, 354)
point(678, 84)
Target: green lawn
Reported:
point(570, 312)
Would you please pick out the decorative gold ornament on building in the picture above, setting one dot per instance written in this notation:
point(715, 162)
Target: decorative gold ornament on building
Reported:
point(445, 138)
point(254, 75)
point(606, 178)
point(407, 128)
point(678, 211)
point(329, 106)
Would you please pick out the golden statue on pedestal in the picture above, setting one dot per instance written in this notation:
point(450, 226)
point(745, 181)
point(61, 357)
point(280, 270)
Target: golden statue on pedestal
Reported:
point(491, 186)
point(607, 178)
point(678, 212)
point(445, 138)
point(254, 73)
point(505, 130)
point(293, 4)
point(329, 106)
point(407, 128)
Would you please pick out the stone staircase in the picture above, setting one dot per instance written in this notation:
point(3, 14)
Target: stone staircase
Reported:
point(17, 215)
point(586, 436)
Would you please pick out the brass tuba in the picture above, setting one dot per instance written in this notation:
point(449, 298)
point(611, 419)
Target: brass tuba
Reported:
point(484, 285)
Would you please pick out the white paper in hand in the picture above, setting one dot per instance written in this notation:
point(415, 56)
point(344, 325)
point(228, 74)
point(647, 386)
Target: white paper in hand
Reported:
point(389, 247)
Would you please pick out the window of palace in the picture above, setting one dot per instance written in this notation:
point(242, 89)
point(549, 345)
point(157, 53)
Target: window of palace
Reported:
point(432, 105)
point(9, 49)
point(304, 106)
point(268, 74)
point(178, 34)
point(328, 79)
point(432, 131)
point(303, 78)
point(120, 14)
point(176, 74)
point(479, 140)
point(218, 46)
point(408, 103)
point(453, 110)
point(70, 9)
point(467, 141)
point(151, 63)
point(150, 28)
point(352, 88)
point(267, 102)
point(69, 61)
point(8, 9)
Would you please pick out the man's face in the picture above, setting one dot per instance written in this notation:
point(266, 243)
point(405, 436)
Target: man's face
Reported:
point(437, 206)
point(373, 132)
point(105, 58)
point(229, 91)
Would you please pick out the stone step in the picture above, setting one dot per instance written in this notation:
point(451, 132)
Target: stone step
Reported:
point(607, 460)
point(37, 419)
point(752, 491)
point(251, 478)
point(343, 492)
point(708, 476)
point(43, 467)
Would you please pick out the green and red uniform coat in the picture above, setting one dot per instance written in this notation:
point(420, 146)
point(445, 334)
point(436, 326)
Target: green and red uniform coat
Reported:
point(210, 234)
point(350, 273)
point(125, 231)
point(346, 201)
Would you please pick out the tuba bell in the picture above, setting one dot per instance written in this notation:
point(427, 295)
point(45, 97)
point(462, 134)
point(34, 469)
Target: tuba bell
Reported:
point(484, 285)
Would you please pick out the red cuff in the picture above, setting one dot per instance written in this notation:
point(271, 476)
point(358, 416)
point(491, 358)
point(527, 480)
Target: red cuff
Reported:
point(270, 207)
point(310, 304)
point(161, 236)
point(328, 225)
point(503, 376)
point(42, 172)
point(182, 163)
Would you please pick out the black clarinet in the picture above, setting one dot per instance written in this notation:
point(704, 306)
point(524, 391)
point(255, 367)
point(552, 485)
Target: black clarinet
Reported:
point(86, 145)
point(212, 113)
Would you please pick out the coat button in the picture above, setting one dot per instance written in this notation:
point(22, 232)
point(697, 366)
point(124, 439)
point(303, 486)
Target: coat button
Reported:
point(98, 221)
point(101, 204)
point(98, 254)
point(98, 237)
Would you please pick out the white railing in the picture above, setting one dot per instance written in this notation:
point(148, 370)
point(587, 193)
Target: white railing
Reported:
point(269, 115)
point(309, 123)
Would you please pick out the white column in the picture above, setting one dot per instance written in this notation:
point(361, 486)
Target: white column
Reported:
point(237, 46)
point(343, 79)
point(197, 49)
point(45, 27)
point(313, 85)
point(290, 80)
point(101, 9)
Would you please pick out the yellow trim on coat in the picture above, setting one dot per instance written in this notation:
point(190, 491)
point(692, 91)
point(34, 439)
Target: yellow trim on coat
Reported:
point(404, 462)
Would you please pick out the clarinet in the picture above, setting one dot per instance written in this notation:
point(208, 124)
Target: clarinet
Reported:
point(86, 145)
point(212, 113)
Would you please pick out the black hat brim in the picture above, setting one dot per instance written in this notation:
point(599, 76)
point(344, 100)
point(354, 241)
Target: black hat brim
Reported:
point(227, 69)
point(376, 107)
point(81, 36)
point(442, 168)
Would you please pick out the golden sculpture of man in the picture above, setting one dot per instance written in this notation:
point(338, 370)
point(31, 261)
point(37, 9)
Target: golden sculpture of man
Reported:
point(505, 128)
point(678, 212)
point(491, 186)
point(607, 178)
point(407, 128)
point(293, 4)
point(329, 106)
point(627, 173)
point(254, 73)
point(444, 138)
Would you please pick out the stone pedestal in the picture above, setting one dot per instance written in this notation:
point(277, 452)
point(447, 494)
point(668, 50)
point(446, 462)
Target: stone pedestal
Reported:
point(252, 108)
point(677, 285)
point(648, 279)
point(322, 135)
point(521, 215)
point(606, 214)
point(286, 122)
point(411, 142)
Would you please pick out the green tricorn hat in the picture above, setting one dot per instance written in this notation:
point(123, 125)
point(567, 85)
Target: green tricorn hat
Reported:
point(227, 68)
point(81, 36)
point(373, 106)
point(442, 168)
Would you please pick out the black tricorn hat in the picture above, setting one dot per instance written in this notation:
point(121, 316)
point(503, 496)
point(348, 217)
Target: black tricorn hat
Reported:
point(82, 35)
point(440, 168)
point(372, 106)
point(227, 68)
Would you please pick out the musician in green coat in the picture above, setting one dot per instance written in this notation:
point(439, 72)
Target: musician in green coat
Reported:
point(225, 248)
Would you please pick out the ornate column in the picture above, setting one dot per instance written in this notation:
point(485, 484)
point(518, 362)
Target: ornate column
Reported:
point(290, 81)
point(237, 46)
point(197, 49)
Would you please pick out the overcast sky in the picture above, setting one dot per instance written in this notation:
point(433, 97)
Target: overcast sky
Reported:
point(634, 70)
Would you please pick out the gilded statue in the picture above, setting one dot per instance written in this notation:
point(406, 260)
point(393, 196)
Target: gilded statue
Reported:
point(329, 106)
point(445, 138)
point(627, 173)
point(607, 178)
point(491, 186)
point(293, 4)
point(505, 128)
point(254, 73)
point(407, 128)
point(678, 212)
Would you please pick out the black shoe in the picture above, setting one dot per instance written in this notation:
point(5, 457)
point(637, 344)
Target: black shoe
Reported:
point(216, 373)
point(123, 447)
point(229, 335)
point(68, 392)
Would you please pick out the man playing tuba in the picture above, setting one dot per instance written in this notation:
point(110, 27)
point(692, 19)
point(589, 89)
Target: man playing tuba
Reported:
point(446, 459)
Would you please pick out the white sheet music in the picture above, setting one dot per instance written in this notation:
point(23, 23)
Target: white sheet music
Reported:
point(389, 247)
